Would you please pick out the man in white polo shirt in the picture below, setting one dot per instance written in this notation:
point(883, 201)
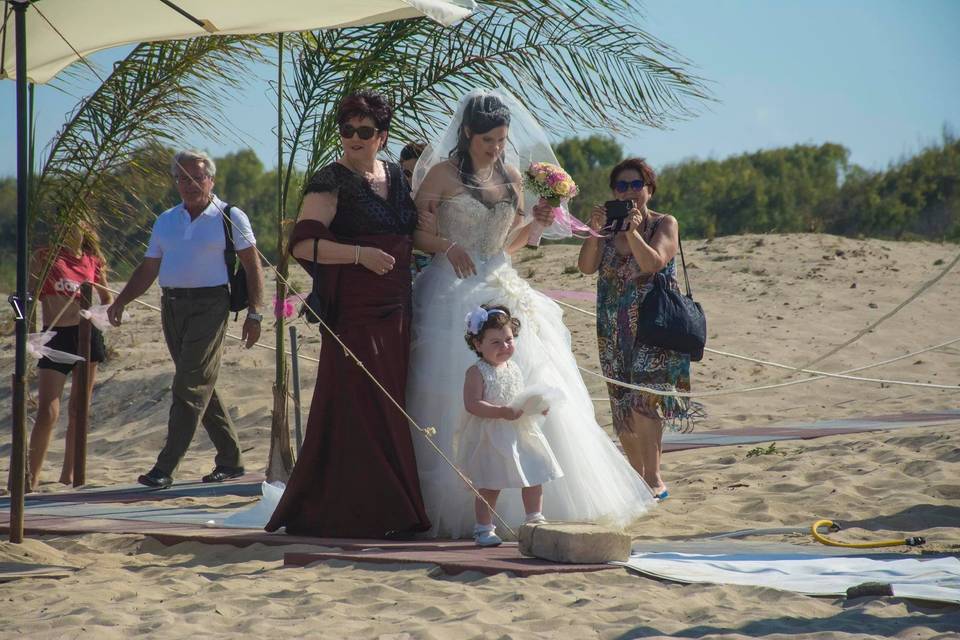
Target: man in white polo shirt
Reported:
point(186, 251)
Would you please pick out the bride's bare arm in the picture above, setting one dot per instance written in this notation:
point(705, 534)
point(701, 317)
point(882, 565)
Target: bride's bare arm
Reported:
point(429, 195)
point(436, 187)
point(520, 231)
point(426, 237)
point(432, 191)
point(542, 214)
point(429, 243)
point(518, 235)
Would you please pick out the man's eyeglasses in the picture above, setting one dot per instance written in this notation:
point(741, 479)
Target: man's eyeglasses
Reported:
point(365, 132)
point(188, 179)
point(622, 186)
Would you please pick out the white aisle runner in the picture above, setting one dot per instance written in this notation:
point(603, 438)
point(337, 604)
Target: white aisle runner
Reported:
point(935, 578)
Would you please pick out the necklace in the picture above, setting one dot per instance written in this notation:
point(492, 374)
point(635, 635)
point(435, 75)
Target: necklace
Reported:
point(485, 178)
point(366, 175)
point(476, 175)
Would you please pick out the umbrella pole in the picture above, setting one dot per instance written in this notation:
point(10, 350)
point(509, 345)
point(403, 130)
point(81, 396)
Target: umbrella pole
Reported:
point(18, 454)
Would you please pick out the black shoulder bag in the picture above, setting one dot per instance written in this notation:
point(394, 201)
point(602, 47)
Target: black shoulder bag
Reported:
point(236, 274)
point(670, 320)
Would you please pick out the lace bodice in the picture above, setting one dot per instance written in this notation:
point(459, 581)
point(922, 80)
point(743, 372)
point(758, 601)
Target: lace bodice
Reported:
point(500, 384)
point(360, 210)
point(479, 229)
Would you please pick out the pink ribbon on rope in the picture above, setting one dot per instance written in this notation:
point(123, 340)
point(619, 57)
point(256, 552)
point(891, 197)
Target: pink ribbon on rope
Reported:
point(287, 307)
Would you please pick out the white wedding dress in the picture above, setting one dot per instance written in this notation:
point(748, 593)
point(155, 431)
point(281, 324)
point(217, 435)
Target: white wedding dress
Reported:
point(598, 484)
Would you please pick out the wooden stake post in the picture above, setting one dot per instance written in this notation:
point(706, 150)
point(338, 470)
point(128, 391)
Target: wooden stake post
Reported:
point(82, 389)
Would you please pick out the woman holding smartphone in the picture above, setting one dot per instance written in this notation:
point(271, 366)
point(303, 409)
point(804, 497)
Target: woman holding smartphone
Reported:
point(627, 259)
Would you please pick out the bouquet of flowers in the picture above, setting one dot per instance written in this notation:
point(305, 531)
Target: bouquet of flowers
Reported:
point(550, 182)
point(553, 185)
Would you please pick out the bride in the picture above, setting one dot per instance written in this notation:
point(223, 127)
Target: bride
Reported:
point(471, 182)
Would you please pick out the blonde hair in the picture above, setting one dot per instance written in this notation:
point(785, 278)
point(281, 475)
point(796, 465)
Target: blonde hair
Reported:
point(91, 241)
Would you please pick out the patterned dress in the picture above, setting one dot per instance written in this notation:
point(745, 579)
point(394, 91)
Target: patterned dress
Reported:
point(621, 287)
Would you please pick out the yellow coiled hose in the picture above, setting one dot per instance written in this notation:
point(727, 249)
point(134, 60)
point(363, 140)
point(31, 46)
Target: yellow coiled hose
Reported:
point(913, 541)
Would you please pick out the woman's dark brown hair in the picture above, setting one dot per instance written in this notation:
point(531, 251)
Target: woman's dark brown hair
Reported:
point(366, 104)
point(640, 166)
point(412, 151)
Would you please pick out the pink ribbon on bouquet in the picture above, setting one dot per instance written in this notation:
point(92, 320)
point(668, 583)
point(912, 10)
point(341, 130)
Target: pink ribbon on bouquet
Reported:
point(573, 224)
point(567, 221)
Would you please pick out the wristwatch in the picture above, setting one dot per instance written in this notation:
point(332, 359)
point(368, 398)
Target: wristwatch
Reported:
point(253, 315)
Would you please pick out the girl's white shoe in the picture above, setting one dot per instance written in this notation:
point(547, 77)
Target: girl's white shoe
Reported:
point(484, 536)
point(535, 518)
point(488, 539)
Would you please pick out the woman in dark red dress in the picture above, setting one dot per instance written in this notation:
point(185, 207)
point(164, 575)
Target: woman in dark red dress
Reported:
point(356, 475)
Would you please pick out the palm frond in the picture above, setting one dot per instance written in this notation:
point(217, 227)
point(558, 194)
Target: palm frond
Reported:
point(584, 63)
point(153, 96)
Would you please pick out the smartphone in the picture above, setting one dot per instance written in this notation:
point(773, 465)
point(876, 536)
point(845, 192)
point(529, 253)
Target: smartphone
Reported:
point(617, 211)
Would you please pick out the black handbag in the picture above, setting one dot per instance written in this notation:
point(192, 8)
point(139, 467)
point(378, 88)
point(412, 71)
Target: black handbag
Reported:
point(314, 307)
point(236, 274)
point(671, 320)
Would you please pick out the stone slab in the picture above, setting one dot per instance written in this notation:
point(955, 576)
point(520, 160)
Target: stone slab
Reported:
point(574, 543)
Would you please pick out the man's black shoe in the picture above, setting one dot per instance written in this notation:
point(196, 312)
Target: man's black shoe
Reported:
point(220, 473)
point(155, 479)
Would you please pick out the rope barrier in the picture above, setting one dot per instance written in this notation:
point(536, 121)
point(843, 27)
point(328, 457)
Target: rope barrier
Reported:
point(229, 335)
point(818, 375)
point(887, 315)
point(778, 385)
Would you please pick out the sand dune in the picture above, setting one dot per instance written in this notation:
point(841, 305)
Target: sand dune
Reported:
point(787, 298)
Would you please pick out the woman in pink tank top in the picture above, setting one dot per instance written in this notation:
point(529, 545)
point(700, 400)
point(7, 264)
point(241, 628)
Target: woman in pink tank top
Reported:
point(78, 260)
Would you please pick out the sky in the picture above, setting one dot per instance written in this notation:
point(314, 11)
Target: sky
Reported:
point(881, 77)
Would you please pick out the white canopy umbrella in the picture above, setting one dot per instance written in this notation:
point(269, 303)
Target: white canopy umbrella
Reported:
point(62, 31)
point(41, 37)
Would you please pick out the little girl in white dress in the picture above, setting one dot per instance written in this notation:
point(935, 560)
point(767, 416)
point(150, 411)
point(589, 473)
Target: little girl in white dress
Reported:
point(499, 444)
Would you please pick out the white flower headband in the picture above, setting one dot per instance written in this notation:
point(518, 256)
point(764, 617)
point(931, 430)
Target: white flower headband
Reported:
point(477, 317)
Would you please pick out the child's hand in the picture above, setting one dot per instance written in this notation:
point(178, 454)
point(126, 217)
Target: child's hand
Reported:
point(509, 413)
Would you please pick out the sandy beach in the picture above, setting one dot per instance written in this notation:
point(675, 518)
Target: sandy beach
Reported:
point(783, 298)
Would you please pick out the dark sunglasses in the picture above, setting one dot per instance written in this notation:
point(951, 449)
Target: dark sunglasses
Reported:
point(365, 133)
point(623, 186)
